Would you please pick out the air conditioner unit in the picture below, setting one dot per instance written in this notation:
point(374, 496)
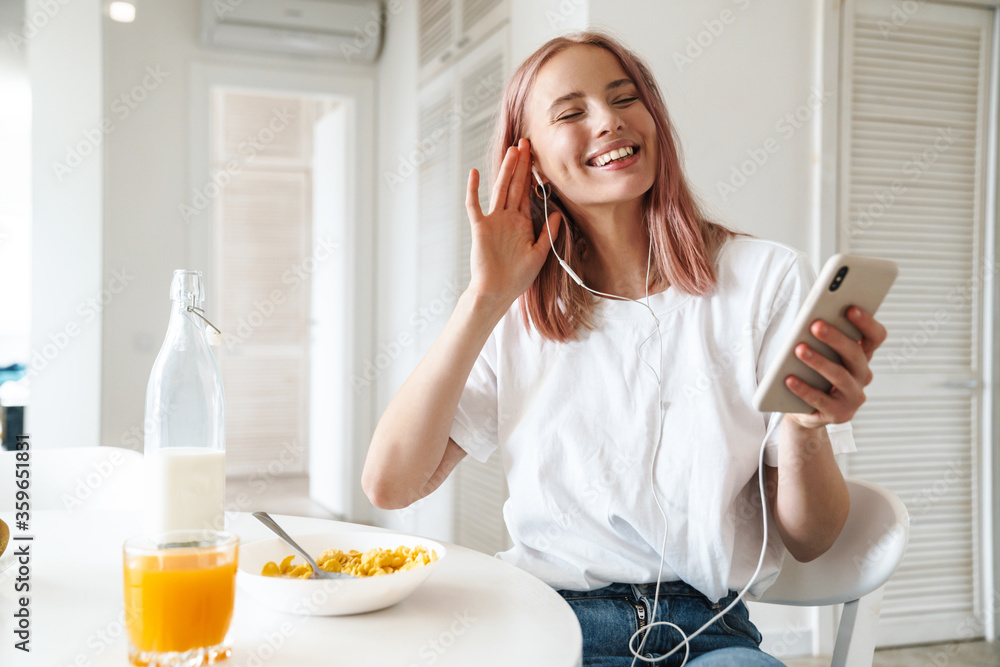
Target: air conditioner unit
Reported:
point(349, 30)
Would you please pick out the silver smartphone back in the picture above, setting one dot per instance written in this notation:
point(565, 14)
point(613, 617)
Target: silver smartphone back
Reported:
point(845, 281)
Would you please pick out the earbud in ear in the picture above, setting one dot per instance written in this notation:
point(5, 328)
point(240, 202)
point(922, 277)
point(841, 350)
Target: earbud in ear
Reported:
point(534, 170)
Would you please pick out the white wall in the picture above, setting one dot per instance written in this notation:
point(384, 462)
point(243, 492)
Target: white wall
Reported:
point(396, 236)
point(67, 275)
point(537, 21)
point(329, 407)
point(731, 97)
point(146, 79)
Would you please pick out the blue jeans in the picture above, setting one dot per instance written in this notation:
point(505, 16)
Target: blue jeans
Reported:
point(609, 616)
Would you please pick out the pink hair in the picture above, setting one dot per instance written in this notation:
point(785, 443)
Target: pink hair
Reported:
point(684, 241)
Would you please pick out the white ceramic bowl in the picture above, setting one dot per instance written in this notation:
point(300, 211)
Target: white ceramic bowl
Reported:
point(331, 597)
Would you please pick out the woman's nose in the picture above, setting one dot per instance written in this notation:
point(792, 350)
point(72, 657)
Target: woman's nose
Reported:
point(609, 120)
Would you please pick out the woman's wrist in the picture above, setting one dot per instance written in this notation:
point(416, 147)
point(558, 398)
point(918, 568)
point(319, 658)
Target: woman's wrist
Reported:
point(793, 421)
point(490, 306)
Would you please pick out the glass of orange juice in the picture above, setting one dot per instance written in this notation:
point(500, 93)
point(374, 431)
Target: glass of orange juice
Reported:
point(179, 593)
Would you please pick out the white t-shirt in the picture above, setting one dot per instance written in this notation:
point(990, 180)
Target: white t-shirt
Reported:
point(575, 423)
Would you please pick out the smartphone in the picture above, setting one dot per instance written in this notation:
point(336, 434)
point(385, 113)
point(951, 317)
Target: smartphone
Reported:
point(845, 281)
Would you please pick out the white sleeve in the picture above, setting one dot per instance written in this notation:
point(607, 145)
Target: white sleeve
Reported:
point(792, 291)
point(842, 438)
point(476, 426)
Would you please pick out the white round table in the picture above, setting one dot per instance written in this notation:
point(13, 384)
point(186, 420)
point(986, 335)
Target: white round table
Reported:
point(473, 610)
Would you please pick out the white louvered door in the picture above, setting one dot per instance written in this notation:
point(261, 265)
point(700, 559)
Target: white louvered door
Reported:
point(913, 133)
point(480, 88)
point(437, 218)
point(480, 18)
point(262, 231)
point(436, 24)
point(448, 29)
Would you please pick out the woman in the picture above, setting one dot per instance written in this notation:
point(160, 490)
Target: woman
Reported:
point(584, 410)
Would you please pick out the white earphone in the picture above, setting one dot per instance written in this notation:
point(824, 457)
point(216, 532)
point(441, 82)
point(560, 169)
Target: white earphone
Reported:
point(566, 267)
point(775, 420)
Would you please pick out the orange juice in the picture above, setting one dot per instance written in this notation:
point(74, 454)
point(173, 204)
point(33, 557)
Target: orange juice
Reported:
point(179, 598)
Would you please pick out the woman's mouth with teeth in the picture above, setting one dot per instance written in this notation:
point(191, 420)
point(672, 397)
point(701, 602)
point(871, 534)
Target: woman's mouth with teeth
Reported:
point(611, 156)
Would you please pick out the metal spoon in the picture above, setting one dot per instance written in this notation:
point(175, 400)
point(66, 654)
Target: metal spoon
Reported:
point(318, 572)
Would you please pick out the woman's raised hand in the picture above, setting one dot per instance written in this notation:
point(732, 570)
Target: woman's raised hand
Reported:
point(506, 255)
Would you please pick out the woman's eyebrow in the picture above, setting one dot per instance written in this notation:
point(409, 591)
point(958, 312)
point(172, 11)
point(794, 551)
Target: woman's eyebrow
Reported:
point(617, 83)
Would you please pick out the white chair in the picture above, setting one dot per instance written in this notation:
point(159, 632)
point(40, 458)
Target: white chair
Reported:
point(75, 478)
point(853, 571)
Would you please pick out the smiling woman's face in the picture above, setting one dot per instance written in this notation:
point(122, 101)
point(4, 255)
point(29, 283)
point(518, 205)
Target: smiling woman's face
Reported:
point(582, 107)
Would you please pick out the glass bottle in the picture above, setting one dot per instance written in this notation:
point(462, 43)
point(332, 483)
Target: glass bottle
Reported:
point(185, 425)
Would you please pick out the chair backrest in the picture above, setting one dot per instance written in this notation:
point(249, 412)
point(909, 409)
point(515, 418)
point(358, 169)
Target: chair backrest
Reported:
point(866, 553)
point(76, 478)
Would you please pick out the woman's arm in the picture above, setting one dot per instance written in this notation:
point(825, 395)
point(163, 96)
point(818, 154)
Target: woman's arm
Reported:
point(406, 460)
point(807, 493)
point(411, 452)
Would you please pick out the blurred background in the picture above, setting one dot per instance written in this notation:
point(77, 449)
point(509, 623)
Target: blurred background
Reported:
point(310, 158)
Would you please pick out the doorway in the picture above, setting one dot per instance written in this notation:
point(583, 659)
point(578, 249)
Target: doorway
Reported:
point(277, 161)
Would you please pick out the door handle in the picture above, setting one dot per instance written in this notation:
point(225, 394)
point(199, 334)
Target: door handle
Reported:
point(961, 384)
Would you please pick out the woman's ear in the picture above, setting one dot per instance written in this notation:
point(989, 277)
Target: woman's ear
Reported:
point(534, 166)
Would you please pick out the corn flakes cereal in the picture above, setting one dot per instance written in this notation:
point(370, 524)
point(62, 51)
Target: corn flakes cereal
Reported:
point(371, 563)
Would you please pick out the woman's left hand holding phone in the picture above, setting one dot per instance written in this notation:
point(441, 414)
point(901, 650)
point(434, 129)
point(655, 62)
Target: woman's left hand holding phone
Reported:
point(848, 378)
